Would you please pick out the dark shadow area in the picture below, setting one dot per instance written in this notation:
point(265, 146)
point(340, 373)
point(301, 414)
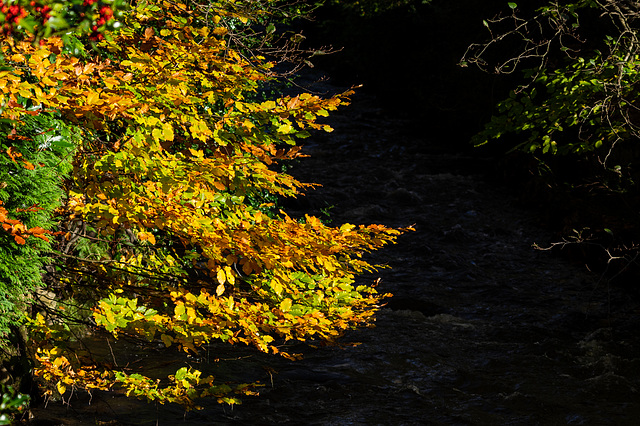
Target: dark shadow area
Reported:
point(408, 58)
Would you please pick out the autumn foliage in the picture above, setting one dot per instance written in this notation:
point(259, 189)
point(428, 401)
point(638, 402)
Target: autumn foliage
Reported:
point(167, 232)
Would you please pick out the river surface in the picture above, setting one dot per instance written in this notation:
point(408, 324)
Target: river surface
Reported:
point(483, 329)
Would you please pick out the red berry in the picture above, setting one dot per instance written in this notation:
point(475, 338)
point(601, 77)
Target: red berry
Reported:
point(33, 3)
point(106, 12)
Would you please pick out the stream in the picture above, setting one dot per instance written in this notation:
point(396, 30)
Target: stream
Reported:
point(483, 329)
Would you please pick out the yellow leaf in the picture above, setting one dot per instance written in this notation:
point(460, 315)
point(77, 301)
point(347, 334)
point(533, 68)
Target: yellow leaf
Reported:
point(248, 125)
point(157, 134)
point(231, 279)
point(92, 98)
point(61, 388)
point(219, 31)
point(167, 132)
point(220, 290)
point(285, 128)
point(277, 287)
point(110, 82)
point(285, 306)
point(222, 277)
point(179, 310)
point(191, 314)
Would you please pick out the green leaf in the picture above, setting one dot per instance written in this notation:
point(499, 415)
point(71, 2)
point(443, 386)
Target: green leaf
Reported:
point(512, 5)
point(181, 373)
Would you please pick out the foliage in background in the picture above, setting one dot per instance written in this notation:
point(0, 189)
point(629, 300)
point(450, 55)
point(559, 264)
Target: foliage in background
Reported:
point(46, 18)
point(166, 234)
point(371, 8)
point(12, 403)
point(585, 101)
point(577, 113)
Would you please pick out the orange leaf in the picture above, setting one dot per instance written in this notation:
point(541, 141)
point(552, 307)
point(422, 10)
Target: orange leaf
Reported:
point(42, 237)
point(19, 239)
point(13, 155)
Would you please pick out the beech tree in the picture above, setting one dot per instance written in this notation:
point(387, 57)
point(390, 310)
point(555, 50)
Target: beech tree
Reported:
point(166, 232)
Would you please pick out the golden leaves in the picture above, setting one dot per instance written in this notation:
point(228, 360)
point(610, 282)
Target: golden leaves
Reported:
point(187, 165)
point(147, 236)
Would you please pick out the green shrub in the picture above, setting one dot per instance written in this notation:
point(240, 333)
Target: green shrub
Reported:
point(34, 160)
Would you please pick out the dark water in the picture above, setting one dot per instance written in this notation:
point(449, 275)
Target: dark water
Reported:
point(483, 329)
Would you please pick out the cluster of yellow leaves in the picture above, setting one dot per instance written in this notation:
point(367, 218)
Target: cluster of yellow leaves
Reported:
point(54, 365)
point(188, 147)
point(56, 368)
